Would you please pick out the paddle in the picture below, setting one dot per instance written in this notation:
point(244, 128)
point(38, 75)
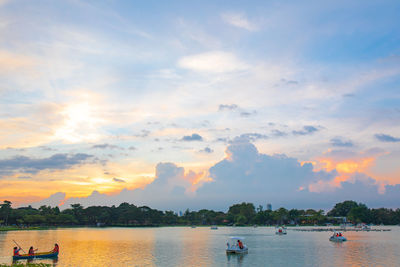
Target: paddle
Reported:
point(19, 246)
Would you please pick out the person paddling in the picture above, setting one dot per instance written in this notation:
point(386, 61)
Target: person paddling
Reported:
point(240, 244)
point(56, 248)
point(31, 251)
point(16, 251)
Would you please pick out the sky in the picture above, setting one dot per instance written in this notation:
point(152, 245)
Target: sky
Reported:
point(200, 104)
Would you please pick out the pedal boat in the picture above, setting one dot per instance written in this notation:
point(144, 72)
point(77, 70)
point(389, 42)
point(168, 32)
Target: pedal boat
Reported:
point(233, 247)
point(337, 237)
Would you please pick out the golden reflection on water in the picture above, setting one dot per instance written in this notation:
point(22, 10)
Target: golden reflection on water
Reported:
point(120, 246)
point(90, 246)
point(366, 247)
point(195, 247)
point(185, 246)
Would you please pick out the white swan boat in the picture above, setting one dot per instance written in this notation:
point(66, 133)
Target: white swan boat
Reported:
point(235, 245)
point(280, 231)
point(337, 237)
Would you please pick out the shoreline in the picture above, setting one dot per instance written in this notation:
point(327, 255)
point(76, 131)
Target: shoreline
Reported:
point(293, 227)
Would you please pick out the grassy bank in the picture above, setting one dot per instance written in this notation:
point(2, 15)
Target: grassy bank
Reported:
point(26, 265)
point(16, 228)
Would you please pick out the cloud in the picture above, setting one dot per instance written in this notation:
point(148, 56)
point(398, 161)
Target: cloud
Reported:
point(227, 107)
point(168, 189)
point(30, 165)
point(278, 133)
point(307, 130)
point(248, 175)
point(107, 146)
point(206, 150)
point(349, 95)
point(340, 143)
point(387, 138)
point(46, 148)
point(247, 114)
point(212, 62)
point(144, 133)
point(118, 180)
point(11, 63)
point(55, 200)
point(193, 137)
point(223, 140)
point(289, 82)
point(251, 137)
point(238, 20)
point(245, 163)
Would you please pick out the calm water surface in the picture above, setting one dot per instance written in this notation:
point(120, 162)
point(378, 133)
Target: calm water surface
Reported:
point(201, 246)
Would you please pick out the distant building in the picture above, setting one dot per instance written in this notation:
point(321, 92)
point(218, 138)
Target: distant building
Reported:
point(269, 206)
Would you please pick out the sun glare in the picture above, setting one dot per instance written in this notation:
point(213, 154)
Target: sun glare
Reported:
point(80, 124)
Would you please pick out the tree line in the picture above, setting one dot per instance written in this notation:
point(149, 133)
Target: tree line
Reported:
point(239, 214)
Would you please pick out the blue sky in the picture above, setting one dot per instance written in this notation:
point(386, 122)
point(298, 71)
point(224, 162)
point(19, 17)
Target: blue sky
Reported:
point(132, 85)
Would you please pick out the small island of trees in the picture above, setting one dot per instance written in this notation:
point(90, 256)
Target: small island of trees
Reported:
point(239, 214)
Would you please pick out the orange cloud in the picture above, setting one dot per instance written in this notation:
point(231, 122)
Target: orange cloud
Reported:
point(11, 62)
point(78, 181)
point(197, 179)
point(346, 164)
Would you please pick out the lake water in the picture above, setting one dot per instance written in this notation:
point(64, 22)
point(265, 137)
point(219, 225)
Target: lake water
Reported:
point(201, 246)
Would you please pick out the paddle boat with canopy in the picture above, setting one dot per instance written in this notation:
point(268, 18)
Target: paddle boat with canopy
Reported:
point(280, 230)
point(337, 237)
point(235, 245)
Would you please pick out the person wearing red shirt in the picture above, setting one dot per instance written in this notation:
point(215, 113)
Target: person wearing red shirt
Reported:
point(16, 251)
point(56, 248)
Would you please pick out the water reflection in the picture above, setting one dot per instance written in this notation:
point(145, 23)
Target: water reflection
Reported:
point(185, 246)
point(237, 258)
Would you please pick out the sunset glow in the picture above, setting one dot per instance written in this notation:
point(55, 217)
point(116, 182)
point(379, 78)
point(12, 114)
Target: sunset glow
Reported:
point(180, 105)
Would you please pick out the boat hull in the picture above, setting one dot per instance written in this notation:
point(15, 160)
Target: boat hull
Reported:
point(337, 239)
point(43, 255)
point(237, 251)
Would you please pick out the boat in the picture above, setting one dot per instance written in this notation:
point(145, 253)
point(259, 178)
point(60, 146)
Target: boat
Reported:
point(337, 237)
point(363, 227)
point(280, 231)
point(40, 255)
point(214, 227)
point(232, 246)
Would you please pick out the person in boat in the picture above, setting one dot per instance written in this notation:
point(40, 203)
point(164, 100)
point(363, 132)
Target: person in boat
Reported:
point(56, 248)
point(280, 230)
point(240, 244)
point(16, 251)
point(31, 251)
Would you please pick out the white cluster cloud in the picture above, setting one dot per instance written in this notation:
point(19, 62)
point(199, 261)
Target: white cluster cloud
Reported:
point(245, 175)
point(238, 20)
point(213, 62)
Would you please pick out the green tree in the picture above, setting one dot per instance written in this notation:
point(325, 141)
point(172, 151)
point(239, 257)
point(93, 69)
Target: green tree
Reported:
point(34, 219)
point(281, 215)
point(343, 208)
point(77, 211)
point(5, 211)
point(244, 209)
point(360, 214)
